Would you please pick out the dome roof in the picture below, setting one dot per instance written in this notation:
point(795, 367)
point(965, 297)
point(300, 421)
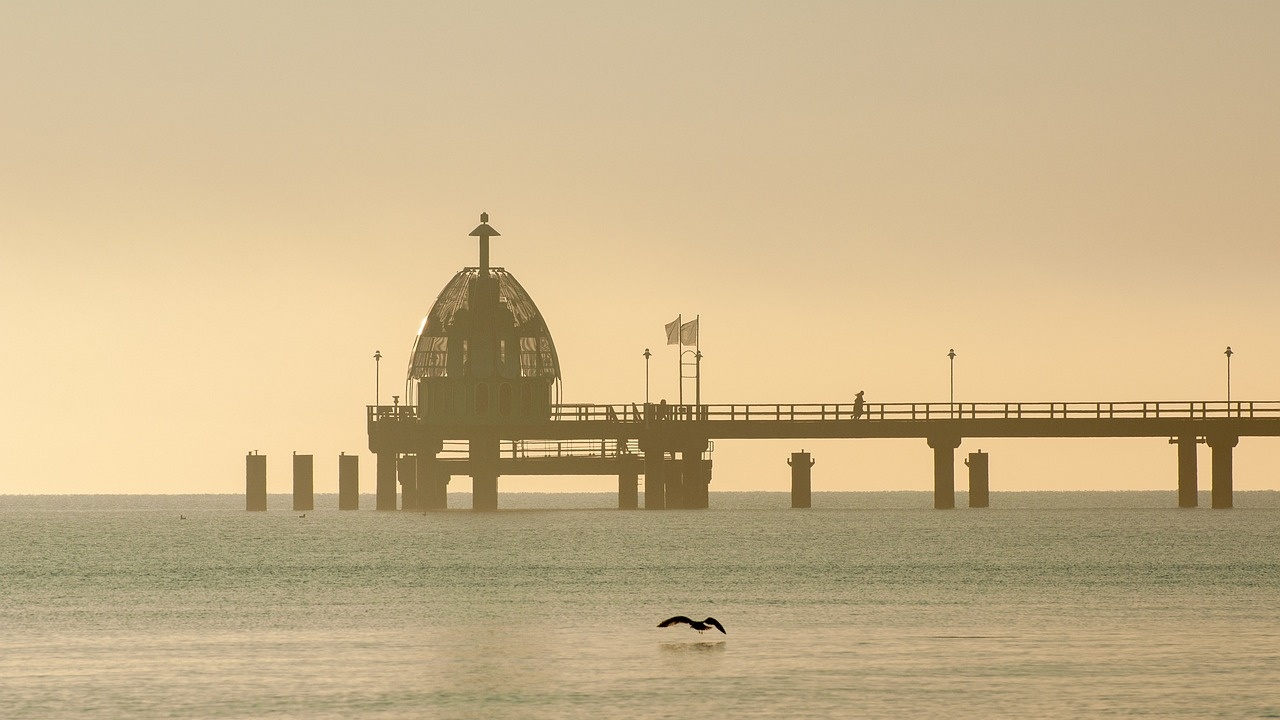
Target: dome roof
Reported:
point(515, 323)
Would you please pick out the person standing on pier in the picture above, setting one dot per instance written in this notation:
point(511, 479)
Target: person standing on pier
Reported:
point(858, 405)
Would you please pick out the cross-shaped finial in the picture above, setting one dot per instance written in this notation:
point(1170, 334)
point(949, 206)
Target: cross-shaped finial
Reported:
point(484, 232)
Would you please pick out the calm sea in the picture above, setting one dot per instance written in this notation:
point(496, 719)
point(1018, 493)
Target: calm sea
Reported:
point(1046, 605)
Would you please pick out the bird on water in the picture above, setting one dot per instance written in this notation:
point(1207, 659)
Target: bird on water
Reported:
point(695, 624)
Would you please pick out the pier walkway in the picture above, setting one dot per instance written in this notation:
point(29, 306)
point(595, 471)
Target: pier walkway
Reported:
point(591, 438)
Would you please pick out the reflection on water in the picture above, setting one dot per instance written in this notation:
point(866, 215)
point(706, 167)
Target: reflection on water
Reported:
point(692, 647)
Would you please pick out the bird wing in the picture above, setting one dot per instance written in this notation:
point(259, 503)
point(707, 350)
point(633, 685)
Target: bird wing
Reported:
point(675, 621)
point(716, 623)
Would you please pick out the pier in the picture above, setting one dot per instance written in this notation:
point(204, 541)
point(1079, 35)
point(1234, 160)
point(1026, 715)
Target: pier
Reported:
point(483, 400)
point(673, 430)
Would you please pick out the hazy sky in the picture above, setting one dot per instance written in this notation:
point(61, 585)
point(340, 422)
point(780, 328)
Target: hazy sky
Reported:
point(212, 214)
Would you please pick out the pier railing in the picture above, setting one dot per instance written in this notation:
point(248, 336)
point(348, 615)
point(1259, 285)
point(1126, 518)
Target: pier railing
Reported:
point(793, 412)
point(887, 412)
point(554, 449)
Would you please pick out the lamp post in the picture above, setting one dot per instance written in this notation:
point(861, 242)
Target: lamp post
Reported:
point(1228, 353)
point(646, 376)
point(951, 356)
point(377, 379)
point(697, 382)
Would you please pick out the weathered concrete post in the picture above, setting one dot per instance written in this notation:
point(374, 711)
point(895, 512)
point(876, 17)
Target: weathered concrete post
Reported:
point(255, 482)
point(1221, 492)
point(483, 452)
point(655, 482)
point(407, 474)
point(348, 482)
point(673, 481)
point(694, 476)
point(1188, 482)
point(801, 478)
point(628, 489)
point(979, 495)
point(386, 497)
point(944, 470)
point(303, 483)
point(433, 478)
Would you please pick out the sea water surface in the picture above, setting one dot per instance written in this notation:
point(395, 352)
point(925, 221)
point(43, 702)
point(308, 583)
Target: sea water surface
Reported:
point(1047, 605)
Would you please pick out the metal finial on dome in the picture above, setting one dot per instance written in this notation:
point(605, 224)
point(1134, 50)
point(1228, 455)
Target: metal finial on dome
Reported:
point(484, 232)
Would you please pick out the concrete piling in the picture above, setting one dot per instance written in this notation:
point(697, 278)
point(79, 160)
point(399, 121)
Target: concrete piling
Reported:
point(303, 483)
point(407, 473)
point(655, 484)
point(693, 476)
point(801, 489)
point(944, 470)
point(1222, 482)
point(255, 482)
point(628, 490)
point(386, 489)
point(348, 482)
point(1188, 482)
point(484, 472)
point(979, 497)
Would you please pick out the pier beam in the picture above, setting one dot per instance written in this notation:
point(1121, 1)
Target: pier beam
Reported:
point(655, 482)
point(944, 470)
point(386, 497)
point(693, 476)
point(304, 498)
point(348, 482)
point(979, 485)
point(1188, 482)
point(407, 474)
point(801, 479)
point(255, 482)
point(1222, 482)
point(483, 453)
point(628, 490)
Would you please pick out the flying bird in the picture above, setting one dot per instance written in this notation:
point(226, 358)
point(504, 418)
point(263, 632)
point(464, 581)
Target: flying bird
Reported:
point(695, 624)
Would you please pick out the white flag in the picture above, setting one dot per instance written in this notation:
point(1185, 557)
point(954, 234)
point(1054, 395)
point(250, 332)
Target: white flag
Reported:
point(689, 332)
point(673, 331)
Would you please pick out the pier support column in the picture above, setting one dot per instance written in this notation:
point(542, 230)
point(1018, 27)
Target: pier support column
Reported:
point(348, 482)
point(655, 482)
point(1221, 492)
point(801, 479)
point(304, 498)
point(693, 476)
point(673, 481)
point(433, 484)
point(944, 470)
point(483, 453)
point(386, 497)
point(1188, 482)
point(628, 490)
point(979, 495)
point(407, 472)
point(255, 482)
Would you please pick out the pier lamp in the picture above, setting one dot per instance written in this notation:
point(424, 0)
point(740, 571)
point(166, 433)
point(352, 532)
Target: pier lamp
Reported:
point(1228, 353)
point(646, 376)
point(697, 382)
point(951, 355)
point(377, 370)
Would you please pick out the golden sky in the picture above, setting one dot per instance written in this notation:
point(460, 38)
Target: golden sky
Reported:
point(212, 214)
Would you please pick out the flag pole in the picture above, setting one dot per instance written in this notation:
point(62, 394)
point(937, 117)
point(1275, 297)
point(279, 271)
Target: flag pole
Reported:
point(680, 358)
